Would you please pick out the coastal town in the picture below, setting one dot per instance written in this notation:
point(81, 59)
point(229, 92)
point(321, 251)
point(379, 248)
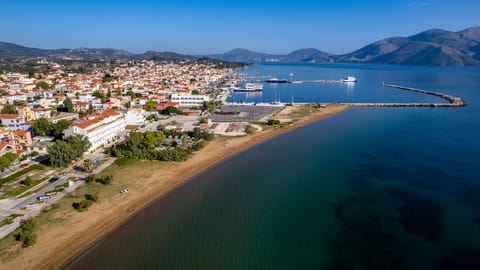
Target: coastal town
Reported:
point(41, 110)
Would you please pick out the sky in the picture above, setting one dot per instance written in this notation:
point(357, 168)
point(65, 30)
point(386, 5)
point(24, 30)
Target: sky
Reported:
point(215, 26)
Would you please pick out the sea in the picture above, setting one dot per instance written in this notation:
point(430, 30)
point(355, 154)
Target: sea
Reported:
point(368, 188)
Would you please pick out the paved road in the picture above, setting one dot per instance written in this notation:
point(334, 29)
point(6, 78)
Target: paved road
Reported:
point(17, 206)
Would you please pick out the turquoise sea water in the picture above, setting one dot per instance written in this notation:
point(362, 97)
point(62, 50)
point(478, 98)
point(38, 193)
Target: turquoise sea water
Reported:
point(369, 188)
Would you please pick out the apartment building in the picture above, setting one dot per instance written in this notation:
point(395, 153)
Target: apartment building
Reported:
point(100, 129)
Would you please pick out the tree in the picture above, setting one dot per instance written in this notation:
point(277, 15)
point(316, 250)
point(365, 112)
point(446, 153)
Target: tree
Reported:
point(68, 105)
point(99, 95)
point(150, 105)
point(152, 117)
point(26, 235)
point(43, 85)
point(11, 157)
point(57, 129)
point(4, 163)
point(60, 153)
point(87, 165)
point(42, 127)
point(8, 109)
point(273, 122)
point(28, 181)
point(195, 92)
point(171, 110)
point(79, 143)
point(63, 152)
point(107, 78)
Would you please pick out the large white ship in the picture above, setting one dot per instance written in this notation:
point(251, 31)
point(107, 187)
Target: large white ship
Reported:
point(249, 87)
point(350, 79)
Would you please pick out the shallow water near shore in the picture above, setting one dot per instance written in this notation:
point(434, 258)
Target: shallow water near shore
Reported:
point(369, 188)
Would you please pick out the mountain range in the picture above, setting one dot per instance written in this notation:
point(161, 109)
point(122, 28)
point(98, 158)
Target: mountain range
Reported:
point(432, 47)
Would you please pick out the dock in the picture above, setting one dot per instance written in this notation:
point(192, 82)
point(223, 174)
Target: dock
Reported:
point(452, 101)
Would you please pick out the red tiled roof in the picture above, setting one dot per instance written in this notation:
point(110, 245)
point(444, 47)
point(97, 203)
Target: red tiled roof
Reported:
point(3, 145)
point(98, 118)
point(20, 132)
point(9, 116)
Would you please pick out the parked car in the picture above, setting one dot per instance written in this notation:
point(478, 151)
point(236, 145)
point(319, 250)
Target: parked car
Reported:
point(24, 165)
point(53, 179)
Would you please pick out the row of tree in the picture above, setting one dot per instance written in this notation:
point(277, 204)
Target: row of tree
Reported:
point(63, 152)
point(43, 127)
point(145, 145)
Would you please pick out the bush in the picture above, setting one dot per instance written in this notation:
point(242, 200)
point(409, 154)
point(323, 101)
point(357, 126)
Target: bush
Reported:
point(250, 129)
point(273, 122)
point(26, 235)
point(83, 205)
point(104, 179)
point(28, 181)
point(91, 197)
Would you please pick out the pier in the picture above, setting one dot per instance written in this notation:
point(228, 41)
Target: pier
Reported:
point(452, 101)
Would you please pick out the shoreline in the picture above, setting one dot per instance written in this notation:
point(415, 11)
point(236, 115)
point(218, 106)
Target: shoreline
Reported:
point(57, 246)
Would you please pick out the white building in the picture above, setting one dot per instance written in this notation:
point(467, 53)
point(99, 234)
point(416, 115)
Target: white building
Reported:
point(100, 129)
point(185, 100)
point(135, 116)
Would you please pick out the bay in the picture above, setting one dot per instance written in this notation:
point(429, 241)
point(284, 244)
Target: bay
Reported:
point(369, 188)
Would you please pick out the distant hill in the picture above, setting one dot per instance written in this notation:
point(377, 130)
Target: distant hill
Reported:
point(243, 55)
point(431, 47)
point(14, 51)
point(163, 56)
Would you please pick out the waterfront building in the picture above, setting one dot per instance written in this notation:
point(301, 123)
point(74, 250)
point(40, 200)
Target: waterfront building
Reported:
point(187, 100)
point(99, 129)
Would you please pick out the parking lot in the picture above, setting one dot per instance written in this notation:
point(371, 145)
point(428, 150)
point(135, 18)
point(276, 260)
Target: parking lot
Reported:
point(187, 123)
point(242, 113)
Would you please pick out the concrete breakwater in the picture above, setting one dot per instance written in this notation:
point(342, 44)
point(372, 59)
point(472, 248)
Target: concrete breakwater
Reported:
point(453, 101)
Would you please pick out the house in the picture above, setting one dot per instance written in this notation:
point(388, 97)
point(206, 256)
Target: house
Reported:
point(99, 129)
point(135, 116)
point(26, 112)
point(12, 121)
point(42, 113)
point(80, 106)
point(15, 140)
point(62, 116)
point(20, 140)
point(11, 98)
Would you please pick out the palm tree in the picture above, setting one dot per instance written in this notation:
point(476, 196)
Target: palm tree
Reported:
point(87, 165)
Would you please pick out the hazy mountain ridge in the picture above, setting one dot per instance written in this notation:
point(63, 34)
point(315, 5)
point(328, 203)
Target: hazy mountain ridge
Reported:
point(431, 47)
point(12, 51)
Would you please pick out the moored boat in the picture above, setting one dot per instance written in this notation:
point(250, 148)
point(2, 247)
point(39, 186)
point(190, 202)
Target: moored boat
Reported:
point(350, 79)
point(249, 87)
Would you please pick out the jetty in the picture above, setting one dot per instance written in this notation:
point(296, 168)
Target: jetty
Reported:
point(452, 101)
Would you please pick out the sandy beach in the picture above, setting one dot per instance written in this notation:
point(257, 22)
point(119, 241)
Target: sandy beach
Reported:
point(70, 232)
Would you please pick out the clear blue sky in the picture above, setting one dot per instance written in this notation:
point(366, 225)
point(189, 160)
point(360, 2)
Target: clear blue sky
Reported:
point(215, 26)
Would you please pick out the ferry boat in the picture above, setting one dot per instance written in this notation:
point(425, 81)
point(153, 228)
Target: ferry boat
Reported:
point(276, 80)
point(350, 79)
point(249, 87)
